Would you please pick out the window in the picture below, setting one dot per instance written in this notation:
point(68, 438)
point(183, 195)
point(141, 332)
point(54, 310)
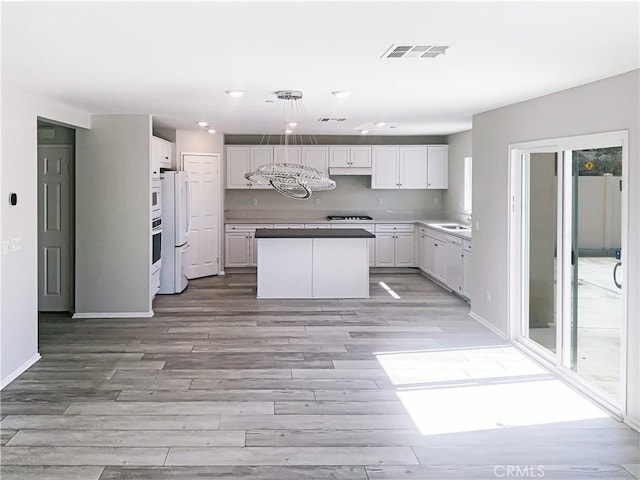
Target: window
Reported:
point(466, 200)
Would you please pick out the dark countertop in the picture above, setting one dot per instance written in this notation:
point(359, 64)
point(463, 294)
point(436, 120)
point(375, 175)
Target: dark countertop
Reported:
point(313, 233)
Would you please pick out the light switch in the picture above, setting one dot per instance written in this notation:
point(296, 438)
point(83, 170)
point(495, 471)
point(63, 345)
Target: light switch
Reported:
point(6, 247)
point(17, 244)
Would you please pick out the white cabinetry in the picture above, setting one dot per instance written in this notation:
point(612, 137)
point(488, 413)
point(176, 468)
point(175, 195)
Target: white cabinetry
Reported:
point(316, 157)
point(240, 244)
point(454, 264)
point(161, 154)
point(395, 245)
point(243, 159)
point(288, 154)
point(434, 254)
point(350, 156)
point(445, 258)
point(466, 268)
point(438, 167)
point(399, 167)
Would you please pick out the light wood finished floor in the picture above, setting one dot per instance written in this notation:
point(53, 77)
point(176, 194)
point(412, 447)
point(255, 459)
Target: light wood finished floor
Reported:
point(221, 385)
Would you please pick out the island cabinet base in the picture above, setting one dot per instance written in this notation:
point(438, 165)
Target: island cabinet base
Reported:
point(313, 268)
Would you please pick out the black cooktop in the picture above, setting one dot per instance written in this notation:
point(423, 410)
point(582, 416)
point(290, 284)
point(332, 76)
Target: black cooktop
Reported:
point(349, 217)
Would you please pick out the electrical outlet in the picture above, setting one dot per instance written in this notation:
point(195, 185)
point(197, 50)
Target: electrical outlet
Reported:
point(16, 244)
point(317, 201)
point(380, 202)
point(6, 247)
point(488, 295)
point(436, 201)
point(254, 202)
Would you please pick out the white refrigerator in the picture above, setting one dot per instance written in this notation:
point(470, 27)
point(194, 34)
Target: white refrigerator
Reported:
point(174, 193)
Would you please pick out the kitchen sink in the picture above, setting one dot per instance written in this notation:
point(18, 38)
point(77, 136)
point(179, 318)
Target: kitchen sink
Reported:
point(454, 227)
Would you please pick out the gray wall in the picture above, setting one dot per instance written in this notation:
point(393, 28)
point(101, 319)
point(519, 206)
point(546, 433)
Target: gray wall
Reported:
point(351, 195)
point(459, 148)
point(113, 215)
point(19, 270)
point(606, 105)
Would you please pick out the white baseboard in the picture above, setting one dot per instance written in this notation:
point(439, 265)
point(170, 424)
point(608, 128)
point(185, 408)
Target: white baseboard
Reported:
point(633, 423)
point(491, 327)
point(113, 314)
point(19, 371)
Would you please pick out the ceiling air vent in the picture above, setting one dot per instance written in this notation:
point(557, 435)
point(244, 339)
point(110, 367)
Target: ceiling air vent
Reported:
point(415, 51)
point(331, 119)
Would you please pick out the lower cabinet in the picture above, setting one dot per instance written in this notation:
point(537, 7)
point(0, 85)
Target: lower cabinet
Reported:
point(433, 254)
point(454, 264)
point(445, 258)
point(240, 249)
point(466, 268)
point(395, 245)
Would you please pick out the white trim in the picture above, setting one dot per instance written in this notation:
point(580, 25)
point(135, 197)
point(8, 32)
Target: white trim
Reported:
point(19, 371)
point(113, 314)
point(561, 145)
point(632, 422)
point(487, 324)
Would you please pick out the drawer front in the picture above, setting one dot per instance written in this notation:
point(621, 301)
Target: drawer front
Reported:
point(245, 227)
point(399, 227)
point(368, 227)
point(454, 240)
point(429, 232)
point(317, 225)
point(288, 225)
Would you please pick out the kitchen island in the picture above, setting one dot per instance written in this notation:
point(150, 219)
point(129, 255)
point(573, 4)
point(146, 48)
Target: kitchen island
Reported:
point(313, 263)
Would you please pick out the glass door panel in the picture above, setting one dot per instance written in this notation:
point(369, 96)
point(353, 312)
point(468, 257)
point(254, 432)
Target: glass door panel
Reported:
point(540, 196)
point(593, 331)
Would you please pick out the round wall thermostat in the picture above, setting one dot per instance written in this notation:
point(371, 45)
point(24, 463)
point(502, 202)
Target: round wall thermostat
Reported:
point(13, 199)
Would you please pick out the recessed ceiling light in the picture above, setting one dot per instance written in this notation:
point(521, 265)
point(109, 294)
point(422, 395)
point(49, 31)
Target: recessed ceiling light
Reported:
point(203, 124)
point(380, 124)
point(364, 132)
point(293, 124)
point(211, 130)
point(340, 94)
point(288, 131)
point(235, 93)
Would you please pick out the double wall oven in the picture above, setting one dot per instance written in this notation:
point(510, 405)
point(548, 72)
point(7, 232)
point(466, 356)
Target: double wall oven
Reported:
point(156, 235)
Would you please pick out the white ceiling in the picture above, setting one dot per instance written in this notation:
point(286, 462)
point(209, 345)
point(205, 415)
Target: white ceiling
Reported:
point(175, 60)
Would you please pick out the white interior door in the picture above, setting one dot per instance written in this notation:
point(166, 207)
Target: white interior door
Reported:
point(54, 229)
point(204, 214)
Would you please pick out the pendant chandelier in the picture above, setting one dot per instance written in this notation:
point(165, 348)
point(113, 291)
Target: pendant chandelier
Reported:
point(291, 179)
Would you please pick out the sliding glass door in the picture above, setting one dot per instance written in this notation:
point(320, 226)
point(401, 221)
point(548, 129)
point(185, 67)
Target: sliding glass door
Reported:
point(593, 331)
point(567, 254)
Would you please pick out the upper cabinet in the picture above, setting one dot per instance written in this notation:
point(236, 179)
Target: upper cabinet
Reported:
point(346, 156)
point(391, 166)
point(288, 154)
point(409, 167)
point(244, 159)
point(316, 157)
point(161, 152)
point(350, 159)
point(438, 166)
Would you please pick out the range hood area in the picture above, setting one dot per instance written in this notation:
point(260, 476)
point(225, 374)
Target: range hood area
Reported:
point(336, 171)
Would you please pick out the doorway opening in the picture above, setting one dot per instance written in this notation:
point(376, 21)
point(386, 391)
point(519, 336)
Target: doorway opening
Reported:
point(568, 237)
point(56, 218)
